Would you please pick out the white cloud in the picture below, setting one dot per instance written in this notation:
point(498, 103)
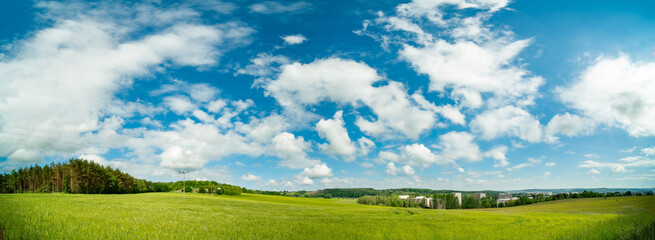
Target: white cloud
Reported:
point(629, 150)
point(264, 65)
point(178, 158)
point(458, 145)
point(405, 170)
point(334, 131)
point(648, 151)
point(294, 39)
point(467, 98)
point(318, 171)
point(531, 162)
point(432, 10)
point(291, 151)
point(550, 164)
point(216, 105)
point(64, 77)
point(179, 104)
point(199, 92)
point(23, 155)
point(619, 167)
point(419, 155)
point(498, 153)
point(365, 145)
point(546, 174)
point(459, 169)
point(271, 7)
point(449, 65)
point(100, 160)
point(186, 146)
point(593, 171)
point(631, 159)
point(591, 155)
point(349, 82)
point(447, 111)
point(250, 177)
point(465, 54)
point(567, 125)
point(510, 121)
point(264, 129)
point(617, 92)
point(304, 180)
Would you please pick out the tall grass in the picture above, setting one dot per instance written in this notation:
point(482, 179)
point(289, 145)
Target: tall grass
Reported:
point(167, 216)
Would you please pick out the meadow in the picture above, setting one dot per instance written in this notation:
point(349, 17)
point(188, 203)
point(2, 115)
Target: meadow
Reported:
point(250, 216)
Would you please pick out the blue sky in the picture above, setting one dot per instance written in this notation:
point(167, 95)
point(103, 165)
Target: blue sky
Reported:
point(290, 95)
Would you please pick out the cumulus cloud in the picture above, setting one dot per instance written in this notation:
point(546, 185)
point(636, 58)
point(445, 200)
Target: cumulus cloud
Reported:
point(318, 171)
point(179, 104)
point(263, 130)
point(291, 151)
point(419, 155)
point(616, 92)
point(187, 145)
point(250, 177)
point(302, 180)
point(177, 158)
point(593, 171)
point(462, 52)
point(365, 145)
point(349, 82)
point(498, 153)
point(334, 131)
point(393, 170)
point(550, 164)
point(449, 65)
point(294, 39)
point(507, 121)
point(567, 125)
point(458, 145)
point(64, 77)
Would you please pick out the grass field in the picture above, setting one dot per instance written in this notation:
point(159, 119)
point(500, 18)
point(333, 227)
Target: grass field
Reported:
point(167, 216)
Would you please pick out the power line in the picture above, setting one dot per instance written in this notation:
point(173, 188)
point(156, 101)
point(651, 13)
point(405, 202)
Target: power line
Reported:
point(49, 132)
point(32, 135)
point(184, 182)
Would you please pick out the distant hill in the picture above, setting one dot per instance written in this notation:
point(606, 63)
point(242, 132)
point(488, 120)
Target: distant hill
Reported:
point(600, 190)
point(359, 192)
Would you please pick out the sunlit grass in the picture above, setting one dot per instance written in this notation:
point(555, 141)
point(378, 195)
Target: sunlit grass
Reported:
point(167, 216)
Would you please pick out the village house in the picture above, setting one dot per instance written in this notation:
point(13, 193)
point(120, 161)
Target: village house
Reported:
point(458, 195)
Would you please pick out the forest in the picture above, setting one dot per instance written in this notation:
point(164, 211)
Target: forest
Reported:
point(82, 176)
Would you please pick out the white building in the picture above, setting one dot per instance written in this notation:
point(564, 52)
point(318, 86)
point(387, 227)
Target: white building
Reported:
point(458, 195)
point(403, 196)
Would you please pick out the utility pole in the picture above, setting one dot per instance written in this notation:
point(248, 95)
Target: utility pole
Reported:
point(184, 183)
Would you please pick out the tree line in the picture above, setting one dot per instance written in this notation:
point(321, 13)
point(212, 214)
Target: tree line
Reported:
point(449, 201)
point(438, 200)
point(211, 187)
point(82, 176)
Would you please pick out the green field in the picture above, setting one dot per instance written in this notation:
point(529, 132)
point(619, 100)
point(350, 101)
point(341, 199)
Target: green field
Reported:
point(248, 216)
